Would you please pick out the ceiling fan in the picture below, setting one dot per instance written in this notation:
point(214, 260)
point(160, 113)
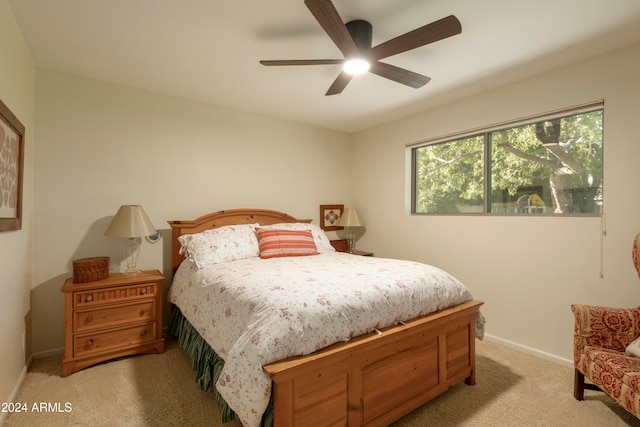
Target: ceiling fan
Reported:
point(354, 41)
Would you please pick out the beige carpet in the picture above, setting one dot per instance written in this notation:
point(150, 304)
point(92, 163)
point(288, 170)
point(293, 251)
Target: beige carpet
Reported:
point(513, 389)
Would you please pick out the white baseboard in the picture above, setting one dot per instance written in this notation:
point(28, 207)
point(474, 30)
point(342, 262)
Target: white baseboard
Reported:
point(529, 350)
point(14, 392)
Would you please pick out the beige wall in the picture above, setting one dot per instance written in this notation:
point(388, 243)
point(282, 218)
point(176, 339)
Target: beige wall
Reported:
point(16, 91)
point(101, 146)
point(527, 270)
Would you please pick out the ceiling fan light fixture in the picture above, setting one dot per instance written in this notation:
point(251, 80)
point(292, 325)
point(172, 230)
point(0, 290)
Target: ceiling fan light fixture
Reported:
point(354, 40)
point(355, 66)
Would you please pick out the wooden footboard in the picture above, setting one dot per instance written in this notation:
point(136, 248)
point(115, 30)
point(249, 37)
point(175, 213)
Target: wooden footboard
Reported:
point(375, 379)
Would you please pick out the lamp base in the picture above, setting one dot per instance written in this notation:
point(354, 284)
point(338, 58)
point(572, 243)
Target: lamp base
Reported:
point(131, 255)
point(351, 239)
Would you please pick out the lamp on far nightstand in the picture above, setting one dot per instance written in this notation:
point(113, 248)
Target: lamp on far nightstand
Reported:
point(350, 219)
point(130, 222)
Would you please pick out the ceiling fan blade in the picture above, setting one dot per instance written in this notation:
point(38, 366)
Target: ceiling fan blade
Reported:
point(276, 62)
point(399, 75)
point(327, 16)
point(438, 30)
point(339, 84)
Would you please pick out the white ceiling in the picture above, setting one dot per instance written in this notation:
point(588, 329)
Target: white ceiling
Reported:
point(208, 50)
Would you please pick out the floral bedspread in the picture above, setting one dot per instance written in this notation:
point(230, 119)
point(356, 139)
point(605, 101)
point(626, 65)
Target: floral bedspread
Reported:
point(256, 311)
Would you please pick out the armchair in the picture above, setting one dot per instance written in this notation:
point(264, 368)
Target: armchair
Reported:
point(601, 335)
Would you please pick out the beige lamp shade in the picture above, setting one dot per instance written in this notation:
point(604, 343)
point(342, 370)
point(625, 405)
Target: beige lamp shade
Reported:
point(130, 221)
point(350, 218)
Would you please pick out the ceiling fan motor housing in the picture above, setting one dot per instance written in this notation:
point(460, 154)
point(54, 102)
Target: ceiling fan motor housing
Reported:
point(361, 32)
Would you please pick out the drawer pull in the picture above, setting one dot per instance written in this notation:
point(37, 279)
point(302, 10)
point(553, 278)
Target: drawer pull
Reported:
point(89, 344)
point(89, 298)
point(143, 312)
point(88, 319)
point(143, 291)
point(143, 333)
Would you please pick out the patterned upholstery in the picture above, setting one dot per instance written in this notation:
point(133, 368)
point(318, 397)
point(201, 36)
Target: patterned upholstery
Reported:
point(601, 335)
point(635, 253)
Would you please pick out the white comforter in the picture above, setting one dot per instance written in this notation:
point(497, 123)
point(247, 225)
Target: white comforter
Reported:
point(256, 311)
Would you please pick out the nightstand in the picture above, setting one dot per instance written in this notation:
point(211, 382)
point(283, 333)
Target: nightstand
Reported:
point(118, 316)
point(342, 245)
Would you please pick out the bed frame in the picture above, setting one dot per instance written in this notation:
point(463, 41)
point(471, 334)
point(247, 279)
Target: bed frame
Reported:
point(373, 379)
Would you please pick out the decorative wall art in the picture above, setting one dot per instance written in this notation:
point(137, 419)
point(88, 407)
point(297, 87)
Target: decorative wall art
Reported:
point(329, 216)
point(11, 169)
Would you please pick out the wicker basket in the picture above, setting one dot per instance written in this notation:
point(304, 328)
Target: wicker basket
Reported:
point(90, 269)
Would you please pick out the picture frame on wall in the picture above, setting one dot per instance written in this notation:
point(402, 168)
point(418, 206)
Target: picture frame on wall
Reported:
point(11, 169)
point(329, 216)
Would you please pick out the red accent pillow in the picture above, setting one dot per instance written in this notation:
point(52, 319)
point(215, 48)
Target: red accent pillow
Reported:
point(281, 243)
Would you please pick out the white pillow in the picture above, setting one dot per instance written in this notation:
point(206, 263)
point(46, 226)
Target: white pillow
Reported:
point(322, 241)
point(222, 244)
point(634, 348)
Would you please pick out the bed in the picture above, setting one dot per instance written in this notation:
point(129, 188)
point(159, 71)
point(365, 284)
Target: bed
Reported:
point(365, 367)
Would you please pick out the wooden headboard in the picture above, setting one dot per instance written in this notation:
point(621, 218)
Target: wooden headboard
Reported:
point(218, 219)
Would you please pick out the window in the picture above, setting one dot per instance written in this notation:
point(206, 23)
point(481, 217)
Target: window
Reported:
point(550, 164)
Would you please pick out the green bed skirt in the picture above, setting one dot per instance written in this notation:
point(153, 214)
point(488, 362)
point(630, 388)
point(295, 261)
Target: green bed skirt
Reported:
point(206, 363)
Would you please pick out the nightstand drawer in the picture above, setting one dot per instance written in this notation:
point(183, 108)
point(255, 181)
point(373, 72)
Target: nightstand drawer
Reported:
point(108, 295)
point(113, 315)
point(99, 342)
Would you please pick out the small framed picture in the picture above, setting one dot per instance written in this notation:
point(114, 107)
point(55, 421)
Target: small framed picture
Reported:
point(329, 216)
point(11, 164)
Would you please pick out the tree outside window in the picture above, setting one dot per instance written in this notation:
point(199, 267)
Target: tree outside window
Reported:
point(550, 166)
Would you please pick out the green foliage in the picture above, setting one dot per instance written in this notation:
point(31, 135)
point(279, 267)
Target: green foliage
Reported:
point(450, 175)
point(560, 160)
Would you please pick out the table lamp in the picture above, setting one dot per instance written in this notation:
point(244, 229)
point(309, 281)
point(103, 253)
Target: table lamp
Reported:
point(131, 222)
point(350, 219)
